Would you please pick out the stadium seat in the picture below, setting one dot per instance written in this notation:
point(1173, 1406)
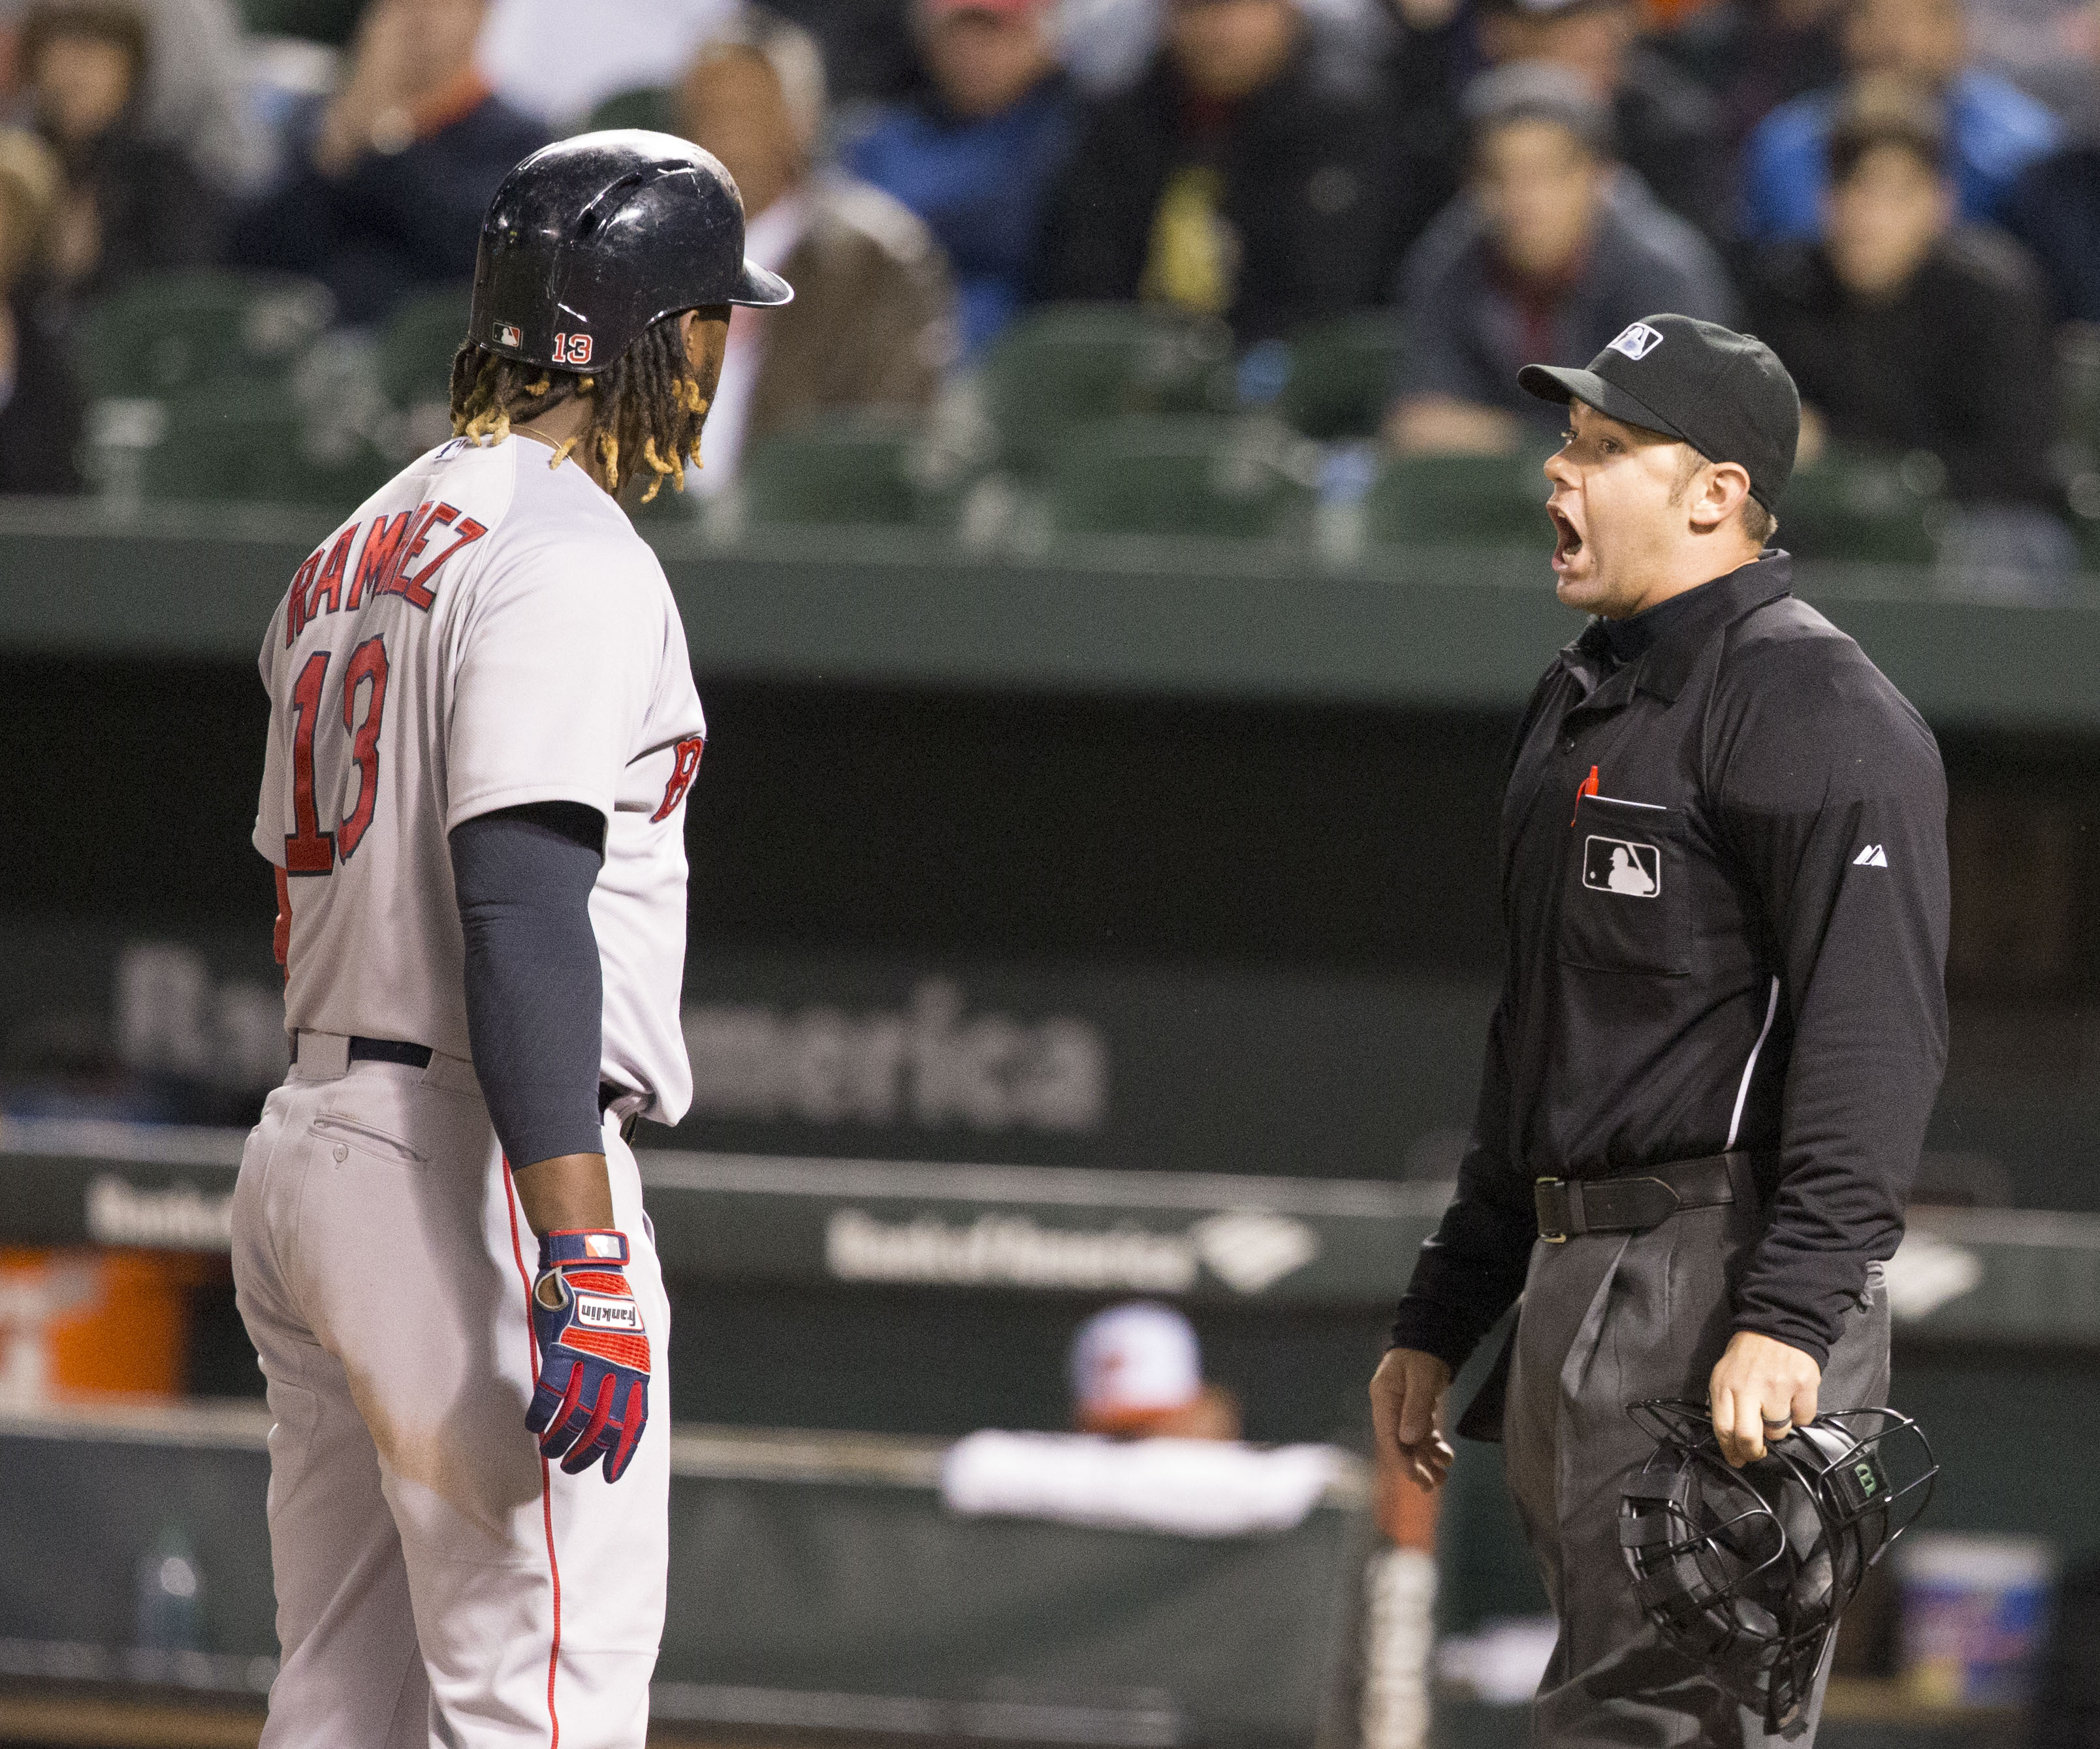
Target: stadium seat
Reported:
point(2078, 379)
point(853, 470)
point(230, 442)
point(416, 349)
point(1058, 366)
point(1458, 500)
point(1184, 474)
point(330, 21)
point(648, 107)
point(1341, 376)
point(164, 331)
point(2078, 448)
point(1861, 505)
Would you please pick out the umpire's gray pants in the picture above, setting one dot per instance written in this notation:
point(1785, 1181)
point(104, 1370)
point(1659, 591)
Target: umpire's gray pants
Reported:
point(1611, 1319)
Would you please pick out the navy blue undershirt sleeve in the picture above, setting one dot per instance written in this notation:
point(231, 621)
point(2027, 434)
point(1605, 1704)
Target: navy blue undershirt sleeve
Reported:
point(534, 993)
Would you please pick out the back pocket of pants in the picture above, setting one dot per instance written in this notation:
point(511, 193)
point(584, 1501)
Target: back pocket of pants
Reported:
point(334, 1126)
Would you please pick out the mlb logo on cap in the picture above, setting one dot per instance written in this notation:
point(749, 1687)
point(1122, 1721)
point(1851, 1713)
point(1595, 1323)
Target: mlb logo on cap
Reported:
point(1637, 342)
point(506, 335)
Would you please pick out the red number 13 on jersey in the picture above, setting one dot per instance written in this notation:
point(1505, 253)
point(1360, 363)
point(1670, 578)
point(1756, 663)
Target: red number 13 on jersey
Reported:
point(309, 850)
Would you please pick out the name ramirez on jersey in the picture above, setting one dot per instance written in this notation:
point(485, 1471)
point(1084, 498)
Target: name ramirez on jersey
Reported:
point(485, 633)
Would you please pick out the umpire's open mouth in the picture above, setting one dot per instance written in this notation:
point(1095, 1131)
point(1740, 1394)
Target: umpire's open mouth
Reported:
point(1567, 538)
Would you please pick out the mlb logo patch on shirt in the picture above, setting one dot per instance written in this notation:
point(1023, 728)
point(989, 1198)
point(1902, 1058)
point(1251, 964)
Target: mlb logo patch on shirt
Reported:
point(507, 335)
point(1637, 341)
point(1623, 866)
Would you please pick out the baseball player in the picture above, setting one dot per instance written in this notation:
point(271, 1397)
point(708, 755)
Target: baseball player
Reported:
point(1722, 1022)
point(482, 729)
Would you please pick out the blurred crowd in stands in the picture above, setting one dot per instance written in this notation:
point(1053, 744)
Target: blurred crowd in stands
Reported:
point(1902, 196)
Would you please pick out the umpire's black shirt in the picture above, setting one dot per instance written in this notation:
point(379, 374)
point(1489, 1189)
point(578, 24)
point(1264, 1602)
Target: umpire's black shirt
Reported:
point(1737, 940)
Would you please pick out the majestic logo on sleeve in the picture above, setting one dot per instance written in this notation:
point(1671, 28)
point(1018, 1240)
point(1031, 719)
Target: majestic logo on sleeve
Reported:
point(1623, 866)
point(1637, 341)
point(1874, 857)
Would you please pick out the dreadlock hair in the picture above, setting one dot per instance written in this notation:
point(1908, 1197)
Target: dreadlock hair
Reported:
point(646, 403)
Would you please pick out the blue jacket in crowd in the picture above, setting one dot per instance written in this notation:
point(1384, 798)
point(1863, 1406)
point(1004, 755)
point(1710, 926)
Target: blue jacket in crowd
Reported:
point(1994, 129)
point(978, 185)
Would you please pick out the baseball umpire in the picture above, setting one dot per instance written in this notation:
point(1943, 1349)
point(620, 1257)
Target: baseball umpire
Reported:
point(482, 731)
point(1723, 1021)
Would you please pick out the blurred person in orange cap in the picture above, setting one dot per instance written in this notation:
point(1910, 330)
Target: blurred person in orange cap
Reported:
point(1137, 1373)
point(974, 152)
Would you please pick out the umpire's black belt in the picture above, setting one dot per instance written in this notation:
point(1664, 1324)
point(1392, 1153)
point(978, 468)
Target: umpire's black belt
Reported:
point(418, 1056)
point(1644, 1196)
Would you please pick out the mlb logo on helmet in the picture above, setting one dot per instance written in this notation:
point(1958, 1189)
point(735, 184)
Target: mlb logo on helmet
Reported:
point(507, 335)
point(1637, 341)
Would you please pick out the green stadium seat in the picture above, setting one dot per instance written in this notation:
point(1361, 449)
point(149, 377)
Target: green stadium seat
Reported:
point(1860, 505)
point(1342, 374)
point(2078, 381)
point(853, 470)
point(417, 346)
point(330, 21)
point(1195, 474)
point(229, 442)
point(1067, 363)
point(1458, 500)
point(2078, 447)
point(163, 332)
point(646, 108)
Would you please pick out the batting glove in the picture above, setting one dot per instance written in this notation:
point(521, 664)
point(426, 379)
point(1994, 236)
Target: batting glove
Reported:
point(593, 1395)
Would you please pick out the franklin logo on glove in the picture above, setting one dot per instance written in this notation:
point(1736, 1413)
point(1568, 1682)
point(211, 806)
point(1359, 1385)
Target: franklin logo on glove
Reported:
point(607, 1315)
point(592, 1399)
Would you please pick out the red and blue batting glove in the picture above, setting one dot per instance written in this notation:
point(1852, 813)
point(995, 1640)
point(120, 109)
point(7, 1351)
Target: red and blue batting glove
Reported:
point(593, 1396)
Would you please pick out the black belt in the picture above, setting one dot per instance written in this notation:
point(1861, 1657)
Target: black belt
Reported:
point(418, 1056)
point(389, 1050)
point(1643, 1197)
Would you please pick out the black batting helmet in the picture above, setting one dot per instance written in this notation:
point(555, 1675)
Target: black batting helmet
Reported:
point(1745, 1570)
point(591, 239)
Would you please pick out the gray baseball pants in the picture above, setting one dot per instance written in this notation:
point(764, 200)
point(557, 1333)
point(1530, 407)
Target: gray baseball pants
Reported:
point(1611, 1319)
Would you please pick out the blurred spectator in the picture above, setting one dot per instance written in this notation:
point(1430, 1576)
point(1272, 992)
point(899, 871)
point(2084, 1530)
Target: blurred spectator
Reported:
point(1137, 1373)
point(1906, 330)
point(124, 204)
point(1550, 252)
point(631, 45)
point(2054, 209)
point(974, 156)
point(391, 175)
point(195, 98)
point(1665, 128)
point(39, 415)
point(1241, 176)
point(872, 324)
point(1428, 55)
point(866, 44)
point(1994, 129)
point(1756, 55)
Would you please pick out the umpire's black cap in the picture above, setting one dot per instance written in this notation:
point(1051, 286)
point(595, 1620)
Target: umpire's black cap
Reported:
point(1725, 393)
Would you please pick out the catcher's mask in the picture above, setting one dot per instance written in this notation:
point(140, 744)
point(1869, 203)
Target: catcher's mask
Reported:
point(1745, 1570)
